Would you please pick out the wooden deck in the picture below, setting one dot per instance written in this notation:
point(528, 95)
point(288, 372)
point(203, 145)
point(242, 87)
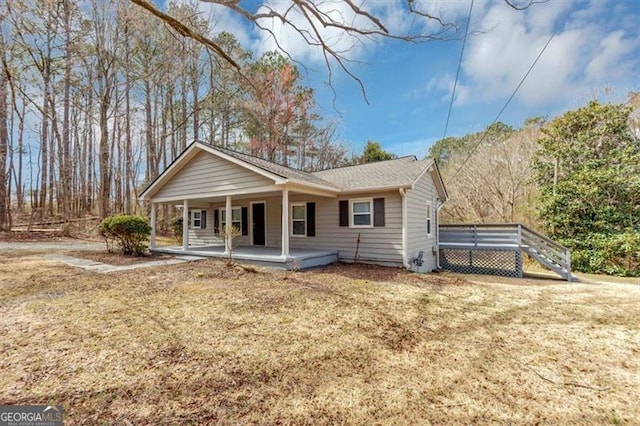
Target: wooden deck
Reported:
point(498, 250)
point(262, 256)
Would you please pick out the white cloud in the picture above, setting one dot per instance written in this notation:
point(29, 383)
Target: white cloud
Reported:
point(498, 59)
point(303, 45)
point(444, 84)
point(582, 53)
point(222, 19)
point(609, 60)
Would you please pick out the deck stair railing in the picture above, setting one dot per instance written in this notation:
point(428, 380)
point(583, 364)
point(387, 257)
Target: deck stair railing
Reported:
point(487, 248)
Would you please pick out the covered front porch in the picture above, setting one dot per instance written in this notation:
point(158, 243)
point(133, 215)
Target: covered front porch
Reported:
point(264, 230)
point(243, 206)
point(298, 259)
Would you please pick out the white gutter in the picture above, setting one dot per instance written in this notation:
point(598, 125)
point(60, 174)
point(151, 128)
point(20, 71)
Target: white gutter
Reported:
point(403, 194)
point(374, 189)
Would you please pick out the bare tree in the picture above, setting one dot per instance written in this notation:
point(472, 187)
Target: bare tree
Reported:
point(496, 184)
point(106, 41)
point(316, 22)
point(4, 138)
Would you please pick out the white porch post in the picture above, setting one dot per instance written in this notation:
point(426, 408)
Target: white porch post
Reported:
point(285, 223)
point(185, 225)
point(152, 239)
point(228, 225)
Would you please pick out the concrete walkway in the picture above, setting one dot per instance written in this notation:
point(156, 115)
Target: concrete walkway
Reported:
point(104, 268)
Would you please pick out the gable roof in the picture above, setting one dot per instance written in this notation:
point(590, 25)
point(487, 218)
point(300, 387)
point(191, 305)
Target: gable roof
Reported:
point(398, 173)
point(277, 169)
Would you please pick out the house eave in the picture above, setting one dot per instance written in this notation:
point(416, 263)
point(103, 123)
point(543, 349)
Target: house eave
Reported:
point(375, 189)
point(311, 188)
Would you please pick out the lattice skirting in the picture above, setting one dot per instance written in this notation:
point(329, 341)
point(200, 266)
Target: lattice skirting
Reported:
point(507, 263)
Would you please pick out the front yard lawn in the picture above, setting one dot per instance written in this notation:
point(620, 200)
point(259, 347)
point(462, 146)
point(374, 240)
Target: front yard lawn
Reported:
point(203, 343)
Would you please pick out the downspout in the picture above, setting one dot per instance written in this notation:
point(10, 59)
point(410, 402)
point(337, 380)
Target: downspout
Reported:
point(440, 204)
point(403, 194)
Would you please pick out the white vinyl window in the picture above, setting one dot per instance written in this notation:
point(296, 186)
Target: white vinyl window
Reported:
point(299, 220)
point(428, 218)
point(236, 218)
point(361, 213)
point(196, 219)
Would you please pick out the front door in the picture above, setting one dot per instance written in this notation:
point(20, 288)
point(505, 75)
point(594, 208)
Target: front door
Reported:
point(258, 223)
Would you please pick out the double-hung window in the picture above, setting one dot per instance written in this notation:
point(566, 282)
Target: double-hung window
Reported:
point(299, 220)
point(236, 218)
point(361, 213)
point(428, 219)
point(197, 219)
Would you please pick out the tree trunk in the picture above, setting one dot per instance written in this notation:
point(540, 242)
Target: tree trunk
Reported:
point(4, 144)
point(65, 165)
point(104, 157)
point(44, 143)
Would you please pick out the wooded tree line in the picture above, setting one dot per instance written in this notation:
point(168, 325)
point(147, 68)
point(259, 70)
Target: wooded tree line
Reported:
point(576, 177)
point(96, 98)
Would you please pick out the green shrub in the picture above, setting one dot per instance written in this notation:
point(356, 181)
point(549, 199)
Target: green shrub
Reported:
point(130, 232)
point(617, 254)
point(176, 228)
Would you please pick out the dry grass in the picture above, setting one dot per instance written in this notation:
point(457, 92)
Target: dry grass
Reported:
point(202, 343)
point(116, 258)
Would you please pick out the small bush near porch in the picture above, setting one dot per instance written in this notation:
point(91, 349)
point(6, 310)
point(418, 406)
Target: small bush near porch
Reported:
point(129, 232)
point(202, 343)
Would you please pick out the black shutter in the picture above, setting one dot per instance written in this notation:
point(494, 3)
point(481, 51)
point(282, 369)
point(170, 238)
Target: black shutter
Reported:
point(216, 222)
point(311, 219)
point(203, 219)
point(378, 212)
point(245, 221)
point(344, 213)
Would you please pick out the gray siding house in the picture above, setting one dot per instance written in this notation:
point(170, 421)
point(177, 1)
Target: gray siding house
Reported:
point(383, 213)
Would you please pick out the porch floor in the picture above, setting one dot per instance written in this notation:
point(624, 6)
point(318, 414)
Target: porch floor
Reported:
point(263, 256)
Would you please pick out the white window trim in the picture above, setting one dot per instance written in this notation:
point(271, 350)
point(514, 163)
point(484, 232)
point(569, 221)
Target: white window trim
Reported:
point(193, 219)
point(291, 220)
point(351, 213)
point(224, 209)
point(429, 221)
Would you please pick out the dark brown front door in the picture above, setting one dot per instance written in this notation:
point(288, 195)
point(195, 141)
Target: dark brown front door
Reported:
point(258, 223)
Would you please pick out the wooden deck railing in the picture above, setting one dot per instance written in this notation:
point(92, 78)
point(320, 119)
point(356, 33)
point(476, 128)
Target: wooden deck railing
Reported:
point(510, 236)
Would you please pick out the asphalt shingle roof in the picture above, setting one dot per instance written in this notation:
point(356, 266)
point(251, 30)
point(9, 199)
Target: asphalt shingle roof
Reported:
point(282, 171)
point(397, 173)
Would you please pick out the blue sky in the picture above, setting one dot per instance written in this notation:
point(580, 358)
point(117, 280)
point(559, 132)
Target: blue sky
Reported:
point(595, 53)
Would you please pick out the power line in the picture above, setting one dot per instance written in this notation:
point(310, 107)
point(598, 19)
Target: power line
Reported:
point(455, 83)
point(506, 104)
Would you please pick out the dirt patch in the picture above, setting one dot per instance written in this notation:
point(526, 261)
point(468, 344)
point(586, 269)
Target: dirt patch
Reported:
point(205, 343)
point(361, 271)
